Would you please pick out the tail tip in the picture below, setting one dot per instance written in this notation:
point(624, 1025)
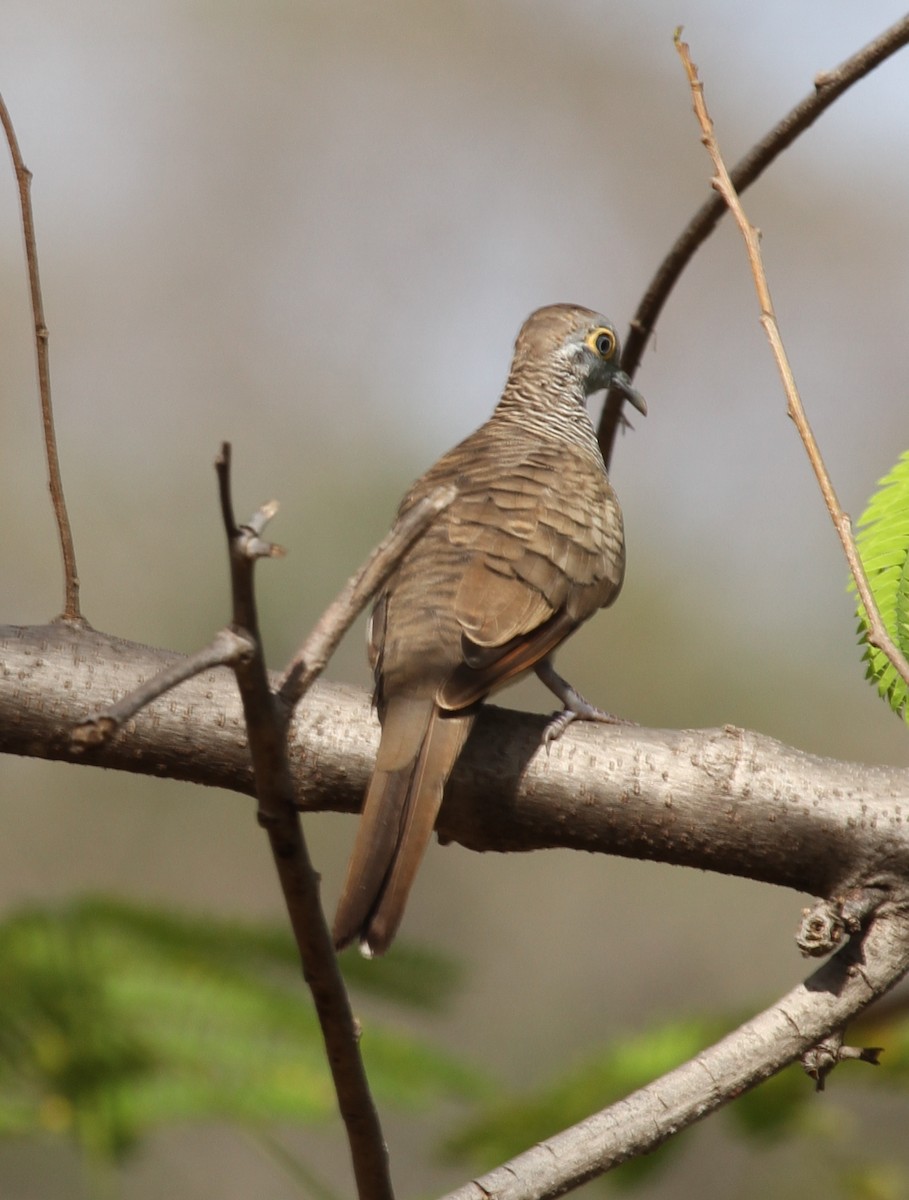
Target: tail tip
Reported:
point(368, 944)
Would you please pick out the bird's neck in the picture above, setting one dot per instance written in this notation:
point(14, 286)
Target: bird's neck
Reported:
point(549, 408)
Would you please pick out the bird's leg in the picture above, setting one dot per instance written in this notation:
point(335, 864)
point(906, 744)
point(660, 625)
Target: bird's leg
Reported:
point(575, 707)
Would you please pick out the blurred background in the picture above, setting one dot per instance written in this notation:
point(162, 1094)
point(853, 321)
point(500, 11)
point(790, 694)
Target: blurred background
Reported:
point(313, 229)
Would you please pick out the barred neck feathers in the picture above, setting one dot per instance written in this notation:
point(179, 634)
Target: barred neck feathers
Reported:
point(543, 404)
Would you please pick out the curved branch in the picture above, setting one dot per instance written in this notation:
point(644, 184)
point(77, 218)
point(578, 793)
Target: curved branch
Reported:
point(780, 1035)
point(828, 87)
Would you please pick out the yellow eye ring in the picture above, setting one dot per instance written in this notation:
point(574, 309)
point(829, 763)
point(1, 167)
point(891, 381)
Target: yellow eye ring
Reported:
point(603, 342)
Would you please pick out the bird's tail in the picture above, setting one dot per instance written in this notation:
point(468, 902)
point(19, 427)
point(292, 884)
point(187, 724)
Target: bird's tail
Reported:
point(417, 752)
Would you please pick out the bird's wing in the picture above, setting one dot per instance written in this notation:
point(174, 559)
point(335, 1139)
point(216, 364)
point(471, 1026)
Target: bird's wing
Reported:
point(536, 568)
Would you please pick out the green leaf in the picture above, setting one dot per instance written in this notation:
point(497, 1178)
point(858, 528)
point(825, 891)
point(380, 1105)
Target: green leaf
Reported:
point(115, 1019)
point(883, 542)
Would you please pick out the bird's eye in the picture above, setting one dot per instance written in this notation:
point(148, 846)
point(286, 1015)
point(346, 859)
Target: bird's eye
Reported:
point(603, 341)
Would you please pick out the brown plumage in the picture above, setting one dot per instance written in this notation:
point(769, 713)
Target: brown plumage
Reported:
point(531, 546)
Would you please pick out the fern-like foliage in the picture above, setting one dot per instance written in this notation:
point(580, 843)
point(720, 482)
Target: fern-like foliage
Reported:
point(883, 542)
point(117, 1019)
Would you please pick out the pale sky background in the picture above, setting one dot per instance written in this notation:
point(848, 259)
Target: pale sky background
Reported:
point(314, 229)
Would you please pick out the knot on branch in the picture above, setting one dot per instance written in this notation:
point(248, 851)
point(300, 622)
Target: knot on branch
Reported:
point(821, 929)
point(95, 730)
point(825, 926)
point(822, 1058)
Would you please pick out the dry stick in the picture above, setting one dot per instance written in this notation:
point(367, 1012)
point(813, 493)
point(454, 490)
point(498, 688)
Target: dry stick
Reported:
point(225, 649)
point(267, 731)
point(71, 611)
point(312, 657)
point(877, 633)
point(828, 86)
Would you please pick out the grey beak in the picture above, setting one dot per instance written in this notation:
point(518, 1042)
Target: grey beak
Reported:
point(621, 381)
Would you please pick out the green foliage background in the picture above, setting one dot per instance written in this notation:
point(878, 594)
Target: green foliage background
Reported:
point(116, 1020)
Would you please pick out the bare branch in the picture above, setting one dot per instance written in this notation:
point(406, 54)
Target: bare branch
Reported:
point(828, 87)
point(780, 1035)
point(228, 648)
point(252, 546)
point(225, 649)
point(266, 724)
point(71, 611)
point(722, 182)
point(311, 659)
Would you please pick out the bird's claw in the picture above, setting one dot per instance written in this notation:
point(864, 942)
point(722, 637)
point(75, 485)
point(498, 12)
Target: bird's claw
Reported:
point(584, 711)
point(556, 726)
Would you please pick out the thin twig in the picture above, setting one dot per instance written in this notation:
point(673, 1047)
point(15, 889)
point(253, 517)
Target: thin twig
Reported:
point(877, 634)
point(71, 610)
point(828, 86)
point(312, 657)
point(266, 725)
point(225, 649)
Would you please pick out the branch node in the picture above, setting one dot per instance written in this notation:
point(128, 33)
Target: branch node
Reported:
point(821, 929)
point(822, 1058)
point(94, 731)
point(248, 544)
point(228, 647)
point(825, 926)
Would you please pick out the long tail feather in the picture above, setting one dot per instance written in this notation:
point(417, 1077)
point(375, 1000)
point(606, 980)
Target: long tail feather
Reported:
point(418, 751)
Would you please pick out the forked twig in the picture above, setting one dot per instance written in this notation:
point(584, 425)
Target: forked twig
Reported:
point(877, 632)
point(828, 86)
point(71, 611)
point(226, 648)
point(266, 726)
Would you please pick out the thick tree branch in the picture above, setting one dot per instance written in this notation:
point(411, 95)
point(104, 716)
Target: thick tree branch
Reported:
point(828, 87)
point(723, 799)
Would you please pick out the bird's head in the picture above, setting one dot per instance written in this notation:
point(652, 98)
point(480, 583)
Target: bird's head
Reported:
point(573, 345)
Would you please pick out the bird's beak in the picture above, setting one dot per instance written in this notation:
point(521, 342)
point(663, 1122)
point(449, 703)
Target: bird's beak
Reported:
point(621, 381)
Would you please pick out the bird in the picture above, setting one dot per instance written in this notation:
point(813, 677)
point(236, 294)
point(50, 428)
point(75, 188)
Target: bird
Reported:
point(531, 546)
